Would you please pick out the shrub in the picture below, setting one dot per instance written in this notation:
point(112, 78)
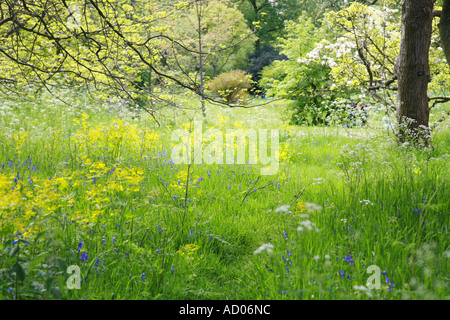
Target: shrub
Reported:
point(259, 59)
point(232, 86)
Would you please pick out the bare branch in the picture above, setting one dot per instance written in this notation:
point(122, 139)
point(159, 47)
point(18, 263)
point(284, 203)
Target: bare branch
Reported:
point(385, 84)
point(438, 100)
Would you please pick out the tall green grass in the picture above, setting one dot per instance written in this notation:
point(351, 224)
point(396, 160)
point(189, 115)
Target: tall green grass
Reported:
point(371, 202)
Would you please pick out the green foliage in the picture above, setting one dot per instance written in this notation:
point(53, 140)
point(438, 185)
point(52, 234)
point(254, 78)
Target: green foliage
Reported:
point(308, 86)
point(261, 58)
point(364, 48)
point(110, 201)
point(224, 37)
point(271, 16)
point(232, 86)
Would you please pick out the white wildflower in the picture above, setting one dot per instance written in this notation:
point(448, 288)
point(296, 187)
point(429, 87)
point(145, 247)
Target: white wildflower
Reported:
point(312, 207)
point(366, 202)
point(308, 225)
point(283, 208)
point(265, 247)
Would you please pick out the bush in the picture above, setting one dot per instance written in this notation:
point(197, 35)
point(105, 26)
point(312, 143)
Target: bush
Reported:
point(260, 59)
point(232, 86)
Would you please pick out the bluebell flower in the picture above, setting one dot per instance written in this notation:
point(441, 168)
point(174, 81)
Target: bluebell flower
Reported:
point(84, 256)
point(269, 268)
point(173, 269)
point(80, 245)
point(384, 273)
point(391, 285)
point(97, 261)
point(114, 239)
point(348, 259)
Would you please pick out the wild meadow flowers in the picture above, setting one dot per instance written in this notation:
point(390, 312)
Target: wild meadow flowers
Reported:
point(101, 192)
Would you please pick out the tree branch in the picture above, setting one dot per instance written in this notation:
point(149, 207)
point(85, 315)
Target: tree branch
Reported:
point(438, 100)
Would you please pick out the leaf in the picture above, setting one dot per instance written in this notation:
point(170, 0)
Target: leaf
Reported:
point(38, 259)
point(20, 273)
point(14, 251)
point(40, 235)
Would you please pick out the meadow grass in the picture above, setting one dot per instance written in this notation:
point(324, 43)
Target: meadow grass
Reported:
point(98, 189)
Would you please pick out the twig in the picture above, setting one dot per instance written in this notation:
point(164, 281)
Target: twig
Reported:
point(254, 190)
point(249, 189)
point(299, 194)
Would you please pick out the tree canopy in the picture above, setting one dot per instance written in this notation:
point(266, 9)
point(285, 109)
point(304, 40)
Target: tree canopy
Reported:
point(145, 51)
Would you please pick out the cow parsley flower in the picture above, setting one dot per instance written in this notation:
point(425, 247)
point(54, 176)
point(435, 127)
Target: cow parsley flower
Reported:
point(265, 247)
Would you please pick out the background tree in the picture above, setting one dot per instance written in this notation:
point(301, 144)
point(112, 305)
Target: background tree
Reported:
point(214, 39)
point(413, 69)
point(111, 47)
point(444, 28)
point(362, 56)
point(303, 78)
point(260, 59)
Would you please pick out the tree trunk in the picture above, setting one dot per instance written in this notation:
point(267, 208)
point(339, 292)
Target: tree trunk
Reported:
point(413, 70)
point(444, 29)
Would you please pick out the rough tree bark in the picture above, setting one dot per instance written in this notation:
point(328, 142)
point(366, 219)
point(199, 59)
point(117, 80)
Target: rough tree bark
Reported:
point(444, 29)
point(412, 68)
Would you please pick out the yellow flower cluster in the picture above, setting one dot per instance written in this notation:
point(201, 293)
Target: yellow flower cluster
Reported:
point(20, 139)
point(181, 178)
point(299, 208)
point(188, 252)
point(114, 138)
point(83, 195)
point(285, 153)
point(21, 201)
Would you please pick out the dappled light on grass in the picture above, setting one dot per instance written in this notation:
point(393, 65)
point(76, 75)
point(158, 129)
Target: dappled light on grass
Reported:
point(104, 195)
